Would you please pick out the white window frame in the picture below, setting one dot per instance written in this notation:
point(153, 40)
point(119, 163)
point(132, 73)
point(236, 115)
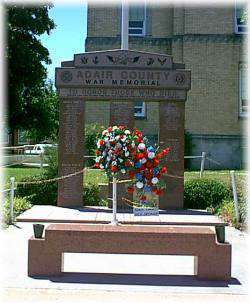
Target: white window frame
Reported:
point(143, 28)
point(143, 110)
point(242, 113)
point(236, 25)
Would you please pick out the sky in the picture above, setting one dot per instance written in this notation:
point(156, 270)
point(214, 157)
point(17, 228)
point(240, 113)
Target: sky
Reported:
point(68, 38)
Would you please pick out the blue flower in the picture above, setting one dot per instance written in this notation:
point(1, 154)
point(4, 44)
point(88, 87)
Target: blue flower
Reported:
point(138, 176)
point(155, 171)
point(151, 149)
point(147, 188)
point(138, 164)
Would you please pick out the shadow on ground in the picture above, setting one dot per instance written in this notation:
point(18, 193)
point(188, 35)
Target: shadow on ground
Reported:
point(138, 279)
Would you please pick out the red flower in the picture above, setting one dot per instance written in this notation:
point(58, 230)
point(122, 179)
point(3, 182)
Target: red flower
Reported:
point(164, 169)
point(97, 165)
point(159, 155)
point(97, 152)
point(156, 162)
point(140, 155)
point(158, 192)
point(166, 151)
point(110, 129)
point(127, 163)
point(149, 164)
point(131, 173)
point(113, 168)
point(143, 198)
point(130, 189)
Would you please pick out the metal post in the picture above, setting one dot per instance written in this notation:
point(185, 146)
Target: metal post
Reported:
point(114, 219)
point(41, 160)
point(203, 158)
point(124, 25)
point(12, 184)
point(232, 173)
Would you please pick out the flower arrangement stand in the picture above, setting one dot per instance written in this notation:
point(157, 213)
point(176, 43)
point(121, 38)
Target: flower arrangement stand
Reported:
point(114, 218)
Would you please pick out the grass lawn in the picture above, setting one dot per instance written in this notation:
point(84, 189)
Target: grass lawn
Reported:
point(19, 172)
point(96, 176)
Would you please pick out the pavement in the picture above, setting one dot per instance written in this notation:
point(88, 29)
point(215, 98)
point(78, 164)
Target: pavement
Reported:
point(118, 278)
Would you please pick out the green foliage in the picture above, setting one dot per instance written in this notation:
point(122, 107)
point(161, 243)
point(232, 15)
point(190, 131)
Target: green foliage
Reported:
point(20, 205)
point(28, 102)
point(91, 195)
point(45, 108)
point(39, 194)
point(203, 193)
point(46, 193)
point(51, 158)
point(92, 131)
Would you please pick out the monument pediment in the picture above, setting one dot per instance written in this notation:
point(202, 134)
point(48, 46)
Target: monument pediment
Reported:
point(123, 58)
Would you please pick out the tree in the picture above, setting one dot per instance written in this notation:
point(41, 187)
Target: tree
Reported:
point(45, 110)
point(26, 72)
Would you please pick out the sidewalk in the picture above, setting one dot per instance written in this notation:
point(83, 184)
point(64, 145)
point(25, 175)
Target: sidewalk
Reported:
point(122, 278)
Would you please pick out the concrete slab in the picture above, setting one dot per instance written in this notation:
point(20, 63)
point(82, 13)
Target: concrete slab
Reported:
point(141, 275)
point(48, 213)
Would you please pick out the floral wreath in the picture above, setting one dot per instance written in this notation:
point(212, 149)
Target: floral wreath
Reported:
point(121, 151)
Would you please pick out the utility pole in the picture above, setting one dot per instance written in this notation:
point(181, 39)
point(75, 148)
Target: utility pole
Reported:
point(124, 29)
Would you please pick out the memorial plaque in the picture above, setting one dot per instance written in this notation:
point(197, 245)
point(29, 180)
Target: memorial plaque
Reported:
point(80, 77)
point(93, 93)
point(172, 118)
point(118, 76)
point(70, 157)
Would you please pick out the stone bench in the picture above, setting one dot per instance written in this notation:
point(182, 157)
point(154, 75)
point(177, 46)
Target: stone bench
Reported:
point(212, 259)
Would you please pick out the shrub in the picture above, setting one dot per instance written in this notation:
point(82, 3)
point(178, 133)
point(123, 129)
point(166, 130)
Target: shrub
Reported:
point(46, 193)
point(203, 193)
point(92, 132)
point(20, 205)
point(39, 194)
point(91, 195)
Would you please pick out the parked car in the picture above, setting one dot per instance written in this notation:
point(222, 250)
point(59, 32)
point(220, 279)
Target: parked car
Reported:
point(37, 149)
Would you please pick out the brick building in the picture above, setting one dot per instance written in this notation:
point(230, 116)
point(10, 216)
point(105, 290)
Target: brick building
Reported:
point(211, 43)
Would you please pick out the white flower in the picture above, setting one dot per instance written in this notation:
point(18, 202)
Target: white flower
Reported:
point(118, 145)
point(120, 160)
point(117, 138)
point(97, 159)
point(101, 166)
point(114, 163)
point(154, 180)
point(151, 155)
point(108, 159)
point(126, 153)
point(127, 132)
point(139, 184)
point(104, 132)
point(114, 128)
point(133, 144)
point(124, 139)
point(123, 171)
point(143, 160)
point(141, 146)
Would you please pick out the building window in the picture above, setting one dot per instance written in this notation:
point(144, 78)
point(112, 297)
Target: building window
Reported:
point(241, 18)
point(243, 97)
point(140, 109)
point(137, 20)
